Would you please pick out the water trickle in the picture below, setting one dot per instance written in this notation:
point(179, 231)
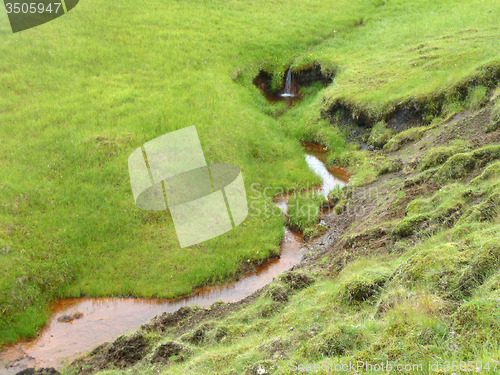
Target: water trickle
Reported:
point(287, 93)
point(330, 182)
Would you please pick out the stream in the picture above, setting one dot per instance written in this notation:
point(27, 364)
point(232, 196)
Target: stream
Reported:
point(104, 319)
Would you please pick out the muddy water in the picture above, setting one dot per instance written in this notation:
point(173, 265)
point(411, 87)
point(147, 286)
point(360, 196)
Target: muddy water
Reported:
point(104, 319)
point(320, 167)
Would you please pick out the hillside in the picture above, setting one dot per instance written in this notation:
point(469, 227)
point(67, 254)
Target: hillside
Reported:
point(405, 268)
point(406, 273)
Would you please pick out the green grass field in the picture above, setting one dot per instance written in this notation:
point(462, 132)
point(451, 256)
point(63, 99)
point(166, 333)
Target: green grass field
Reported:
point(79, 94)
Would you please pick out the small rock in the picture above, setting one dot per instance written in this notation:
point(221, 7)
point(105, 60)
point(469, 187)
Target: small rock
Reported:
point(65, 319)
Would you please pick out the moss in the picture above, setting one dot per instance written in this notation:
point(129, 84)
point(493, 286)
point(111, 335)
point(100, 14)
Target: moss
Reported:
point(416, 206)
point(484, 211)
point(410, 135)
point(490, 172)
point(427, 265)
point(455, 270)
point(495, 112)
point(361, 286)
point(495, 118)
point(420, 178)
point(438, 156)
point(486, 154)
point(380, 134)
point(493, 126)
point(408, 226)
point(484, 261)
point(430, 220)
point(477, 324)
point(492, 286)
point(461, 164)
point(335, 341)
point(390, 166)
point(455, 167)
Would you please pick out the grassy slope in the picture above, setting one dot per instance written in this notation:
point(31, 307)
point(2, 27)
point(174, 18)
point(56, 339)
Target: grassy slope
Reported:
point(84, 91)
point(409, 50)
point(79, 94)
point(410, 277)
point(427, 287)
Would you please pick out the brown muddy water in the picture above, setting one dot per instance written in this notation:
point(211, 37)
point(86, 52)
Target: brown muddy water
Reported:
point(96, 320)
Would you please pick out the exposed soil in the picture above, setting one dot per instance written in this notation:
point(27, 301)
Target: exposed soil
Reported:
point(41, 371)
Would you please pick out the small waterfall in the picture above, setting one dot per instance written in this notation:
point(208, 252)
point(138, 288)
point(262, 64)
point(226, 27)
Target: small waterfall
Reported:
point(288, 85)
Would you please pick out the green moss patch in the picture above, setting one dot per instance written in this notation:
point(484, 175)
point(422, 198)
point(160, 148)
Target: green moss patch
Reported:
point(379, 135)
point(477, 324)
point(303, 210)
point(362, 284)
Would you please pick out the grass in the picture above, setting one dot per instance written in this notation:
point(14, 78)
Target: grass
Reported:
point(436, 299)
point(303, 211)
point(379, 135)
point(411, 43)
point(80, 93)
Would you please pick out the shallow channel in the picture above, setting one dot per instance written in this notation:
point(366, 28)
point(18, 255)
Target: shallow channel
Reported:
point(104, 319)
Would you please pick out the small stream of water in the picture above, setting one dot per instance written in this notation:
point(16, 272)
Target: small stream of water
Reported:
point(288, 85)
point(104, 319)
